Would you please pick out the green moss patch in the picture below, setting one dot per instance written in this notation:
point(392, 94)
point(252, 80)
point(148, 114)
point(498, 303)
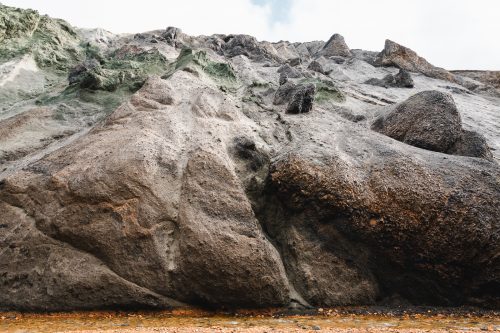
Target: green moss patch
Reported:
point(326, 91)
point(127, 67)
point(218, 71)
point(53, 43)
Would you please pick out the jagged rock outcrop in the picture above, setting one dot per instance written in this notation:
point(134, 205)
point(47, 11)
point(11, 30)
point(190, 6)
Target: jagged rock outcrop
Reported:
point(430, 120)
point(335, 46)
point(316, 67)
point(487, 77)
point(173, 36)
point(248, 46)
point(401, 80)
point(288, 72)
point(399, 56)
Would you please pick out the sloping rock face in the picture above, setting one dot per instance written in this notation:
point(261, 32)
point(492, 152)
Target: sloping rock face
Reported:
point(488, 77)
point(430, 120)
point(399, 56)
point(192, 171)
point(149, 209)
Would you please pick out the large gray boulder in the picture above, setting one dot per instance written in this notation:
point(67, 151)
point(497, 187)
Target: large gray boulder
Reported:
point(315, 66)
point(430, 120)
point(302, 99)
point(471, 144)
point(288, 72)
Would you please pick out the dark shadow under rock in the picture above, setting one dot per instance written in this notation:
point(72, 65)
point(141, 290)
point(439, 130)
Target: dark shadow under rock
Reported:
point(471, 144)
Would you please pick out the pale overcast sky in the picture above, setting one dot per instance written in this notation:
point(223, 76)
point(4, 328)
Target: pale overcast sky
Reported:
point(455, 34)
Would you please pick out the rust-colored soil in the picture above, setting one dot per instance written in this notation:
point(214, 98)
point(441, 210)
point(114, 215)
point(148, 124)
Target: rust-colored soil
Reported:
point(352, 320)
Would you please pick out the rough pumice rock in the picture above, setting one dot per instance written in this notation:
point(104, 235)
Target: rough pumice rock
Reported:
point(419, 216)
point(302, 99)
point(399, 56)
point(335, 46)
point(430, 120)
point(158, 169)
point(299, 98)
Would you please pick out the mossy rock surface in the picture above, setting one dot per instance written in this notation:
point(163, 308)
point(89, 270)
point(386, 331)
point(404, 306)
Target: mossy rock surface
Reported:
point(52, 42)
point(126, 67)
point(218, 71)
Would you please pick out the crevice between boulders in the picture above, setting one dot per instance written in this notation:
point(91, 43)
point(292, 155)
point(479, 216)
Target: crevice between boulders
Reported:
point(254, 173)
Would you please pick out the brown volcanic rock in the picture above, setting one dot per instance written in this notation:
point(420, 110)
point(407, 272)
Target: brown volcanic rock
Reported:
point(431, 223)
point(221, 244)
point(121, 205)
point(399, 56)
point(40, 273)
point(147, 211)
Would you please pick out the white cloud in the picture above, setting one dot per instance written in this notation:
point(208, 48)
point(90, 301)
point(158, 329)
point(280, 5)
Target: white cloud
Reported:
point(455, 34)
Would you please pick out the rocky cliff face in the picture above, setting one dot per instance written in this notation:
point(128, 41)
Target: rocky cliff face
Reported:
point(161, 169)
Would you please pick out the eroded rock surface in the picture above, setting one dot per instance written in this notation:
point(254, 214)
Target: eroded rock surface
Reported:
point(183, 230)
point(223, 171)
